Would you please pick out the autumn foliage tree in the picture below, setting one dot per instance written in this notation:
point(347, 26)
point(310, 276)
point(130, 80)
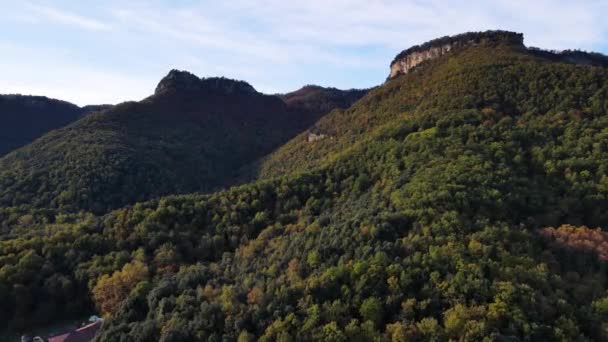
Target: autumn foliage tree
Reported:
point(582, 238)
point(111, 290)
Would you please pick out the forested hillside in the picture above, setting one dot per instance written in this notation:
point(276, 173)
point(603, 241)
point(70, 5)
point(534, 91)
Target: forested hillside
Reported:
point(25, 118)
point(456, 202)
point(191, 135)
point(320, 100)
point(516, 82)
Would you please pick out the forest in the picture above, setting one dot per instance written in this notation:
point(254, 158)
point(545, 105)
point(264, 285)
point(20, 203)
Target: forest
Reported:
point(464, 202)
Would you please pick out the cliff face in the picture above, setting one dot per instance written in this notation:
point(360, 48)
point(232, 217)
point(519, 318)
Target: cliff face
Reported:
point(416, 55)
point(408, 62)
point(412, 57)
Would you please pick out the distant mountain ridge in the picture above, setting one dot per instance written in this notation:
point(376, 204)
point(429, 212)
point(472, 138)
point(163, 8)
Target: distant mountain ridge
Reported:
point(24, 118)
point(316, 98)
point(192, 134)
point(88, 109)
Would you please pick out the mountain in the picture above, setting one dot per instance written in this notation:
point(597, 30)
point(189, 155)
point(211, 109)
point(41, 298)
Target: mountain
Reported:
point(401, 97)
point(24, 118)
point(316, 99)
point(191, 135)
point(457, 201)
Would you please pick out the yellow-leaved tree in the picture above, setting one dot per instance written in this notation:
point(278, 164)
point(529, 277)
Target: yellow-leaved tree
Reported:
point(110, 291)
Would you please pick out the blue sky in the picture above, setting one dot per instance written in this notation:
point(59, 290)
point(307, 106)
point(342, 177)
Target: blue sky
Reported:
point(112, 51)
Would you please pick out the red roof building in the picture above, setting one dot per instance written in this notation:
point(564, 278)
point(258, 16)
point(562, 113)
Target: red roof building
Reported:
point(82, 334)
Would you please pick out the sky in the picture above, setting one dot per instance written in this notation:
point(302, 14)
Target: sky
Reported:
point(92, 52)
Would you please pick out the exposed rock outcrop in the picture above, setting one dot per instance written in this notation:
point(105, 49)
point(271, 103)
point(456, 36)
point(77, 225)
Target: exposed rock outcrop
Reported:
point(315, 136)
point(408, 59)
point(178, 80)
point(414, 56)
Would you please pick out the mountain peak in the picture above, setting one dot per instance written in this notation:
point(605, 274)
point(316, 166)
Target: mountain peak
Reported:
point(178, 80)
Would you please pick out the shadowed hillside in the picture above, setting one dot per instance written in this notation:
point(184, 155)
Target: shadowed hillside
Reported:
point(191, 135)
point(25, 118)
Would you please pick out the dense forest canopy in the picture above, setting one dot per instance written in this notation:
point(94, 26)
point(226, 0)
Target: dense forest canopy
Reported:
point(463, 202)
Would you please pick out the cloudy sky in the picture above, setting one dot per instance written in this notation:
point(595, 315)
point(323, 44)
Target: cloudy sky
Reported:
point(115, 50)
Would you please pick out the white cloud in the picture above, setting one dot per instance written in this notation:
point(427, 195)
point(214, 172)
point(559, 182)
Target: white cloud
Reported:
point(319, 31)
point(57, 15)
point(273, 44)
point(196, 29)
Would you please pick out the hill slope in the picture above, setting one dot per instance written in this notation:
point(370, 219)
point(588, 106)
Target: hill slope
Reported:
point(424, 218)
point(191, 135)
point(316, 99)
point(518, 81)
point(25, 118)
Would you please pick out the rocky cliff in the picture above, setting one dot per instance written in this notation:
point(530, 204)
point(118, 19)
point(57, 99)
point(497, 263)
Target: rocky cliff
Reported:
point(408, 62)
point(412, 57)
point(416, 55)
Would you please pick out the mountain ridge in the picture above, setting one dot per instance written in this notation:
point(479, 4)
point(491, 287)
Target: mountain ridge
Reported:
point(365, 115)
point(178, 80)
point(23, 118)
point(412, 57)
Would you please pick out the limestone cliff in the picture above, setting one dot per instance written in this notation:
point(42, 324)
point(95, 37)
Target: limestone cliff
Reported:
point(408, 62)
point(412, 57)
point(416, 55)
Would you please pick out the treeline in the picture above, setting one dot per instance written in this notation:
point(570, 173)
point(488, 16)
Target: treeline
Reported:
point(572, 56)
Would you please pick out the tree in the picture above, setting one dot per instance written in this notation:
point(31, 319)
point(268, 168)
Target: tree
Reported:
point(110, 291)
point(372, 310)
point(397, 332)
point(255, 296)
point(430, 329)
point(331, 333)
point(244, 336)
